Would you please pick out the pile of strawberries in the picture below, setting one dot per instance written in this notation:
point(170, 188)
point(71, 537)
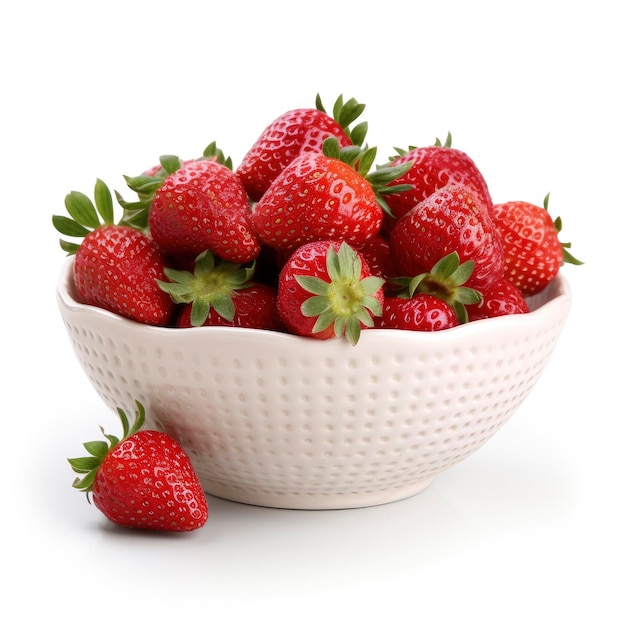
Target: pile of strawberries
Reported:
point(308, 235)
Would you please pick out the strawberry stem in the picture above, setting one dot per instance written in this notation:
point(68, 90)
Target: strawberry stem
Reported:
point(568, 257)
point(88, 466)
point(344, 113)
point(212, 284)
point(444, 281)
point(85, 215)
point(347, 301)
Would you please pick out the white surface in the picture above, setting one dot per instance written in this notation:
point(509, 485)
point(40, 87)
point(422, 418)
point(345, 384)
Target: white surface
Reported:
point(528, 530)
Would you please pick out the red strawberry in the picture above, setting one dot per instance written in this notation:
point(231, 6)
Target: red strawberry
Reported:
point(145, 185)
point(255, 307)
point(116, 266)
point(326, 290)
point(294, 133)
point(268, 265)
point(434, 167)
point(220, 293)
point(321, 196)
point(452, 219)
point(203, 206)
point(448, 295)
point(533, 253)
point(377, 254)
point(422, 312)
point(502, 298)
point(145, 480)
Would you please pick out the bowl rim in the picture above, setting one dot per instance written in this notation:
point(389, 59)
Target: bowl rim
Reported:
point(558, 294)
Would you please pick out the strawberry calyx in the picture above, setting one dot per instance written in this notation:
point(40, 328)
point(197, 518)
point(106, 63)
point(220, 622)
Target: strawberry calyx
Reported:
point(212, 284)
point(344, 113)
point(361, 159)
point(347, 301)
point(568, 257)
point(444, 281)
point(403, 151)
point(146, 185)
point(85, 215)
point(446, 144)
point(88, 466)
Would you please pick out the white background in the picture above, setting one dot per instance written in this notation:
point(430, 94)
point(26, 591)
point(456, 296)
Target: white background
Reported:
point(530, 529)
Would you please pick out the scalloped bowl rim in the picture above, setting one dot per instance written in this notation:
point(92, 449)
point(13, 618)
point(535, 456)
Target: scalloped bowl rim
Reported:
point(555, 295)
point(258, 411)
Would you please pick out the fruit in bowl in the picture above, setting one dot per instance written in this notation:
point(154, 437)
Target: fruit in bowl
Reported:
point(307, 347)
point(274, 419)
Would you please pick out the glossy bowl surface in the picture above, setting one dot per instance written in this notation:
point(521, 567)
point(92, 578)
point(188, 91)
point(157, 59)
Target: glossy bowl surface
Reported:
point(276, 420)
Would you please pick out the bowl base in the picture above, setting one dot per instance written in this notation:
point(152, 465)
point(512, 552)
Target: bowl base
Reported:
point(316, 501)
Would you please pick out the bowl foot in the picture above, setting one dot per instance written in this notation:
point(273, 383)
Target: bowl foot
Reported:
point(315, 501)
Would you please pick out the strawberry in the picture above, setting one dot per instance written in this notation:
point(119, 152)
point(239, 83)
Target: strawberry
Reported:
point(421, 312)
point(294, 133)
point(220, 293)
point(116, 266)
point(377, 254)
point(502, 298)
point(433, 167)
point(533, 253)
point(326, 290)
point(254, 307)
point(145, 480)
point(452, 219)
point(324, 195)
point(446, 283)
point(194, 206)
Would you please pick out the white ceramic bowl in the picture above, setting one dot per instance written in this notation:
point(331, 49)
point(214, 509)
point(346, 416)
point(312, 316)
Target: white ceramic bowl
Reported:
point(282, 421)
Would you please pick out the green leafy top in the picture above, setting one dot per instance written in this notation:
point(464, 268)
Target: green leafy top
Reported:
point(344, 113)
point(568, 257)
point(444, 281)
point(362, 161)
point(347, 301)
point(85, 215)
point(438, 144)
point(88, 466)
point(212, 284)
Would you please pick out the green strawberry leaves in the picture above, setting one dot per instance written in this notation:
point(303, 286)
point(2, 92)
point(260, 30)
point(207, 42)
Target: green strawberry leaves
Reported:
point(347, 301)
point(568, 257)
point(362, 160)
point(88, 465)
point(445, 281)
point(344, 113)
point(212, 284)
point(85, 215)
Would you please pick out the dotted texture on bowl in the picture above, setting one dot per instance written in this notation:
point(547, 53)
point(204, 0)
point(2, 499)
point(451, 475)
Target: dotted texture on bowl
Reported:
point(274, 420)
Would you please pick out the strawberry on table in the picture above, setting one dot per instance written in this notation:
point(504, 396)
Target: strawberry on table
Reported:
point(294, 133)
point(452, 219)
point(144, 480)
point(116, 266)
point(533, 253)
point(326, 290)
point(324, 195)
